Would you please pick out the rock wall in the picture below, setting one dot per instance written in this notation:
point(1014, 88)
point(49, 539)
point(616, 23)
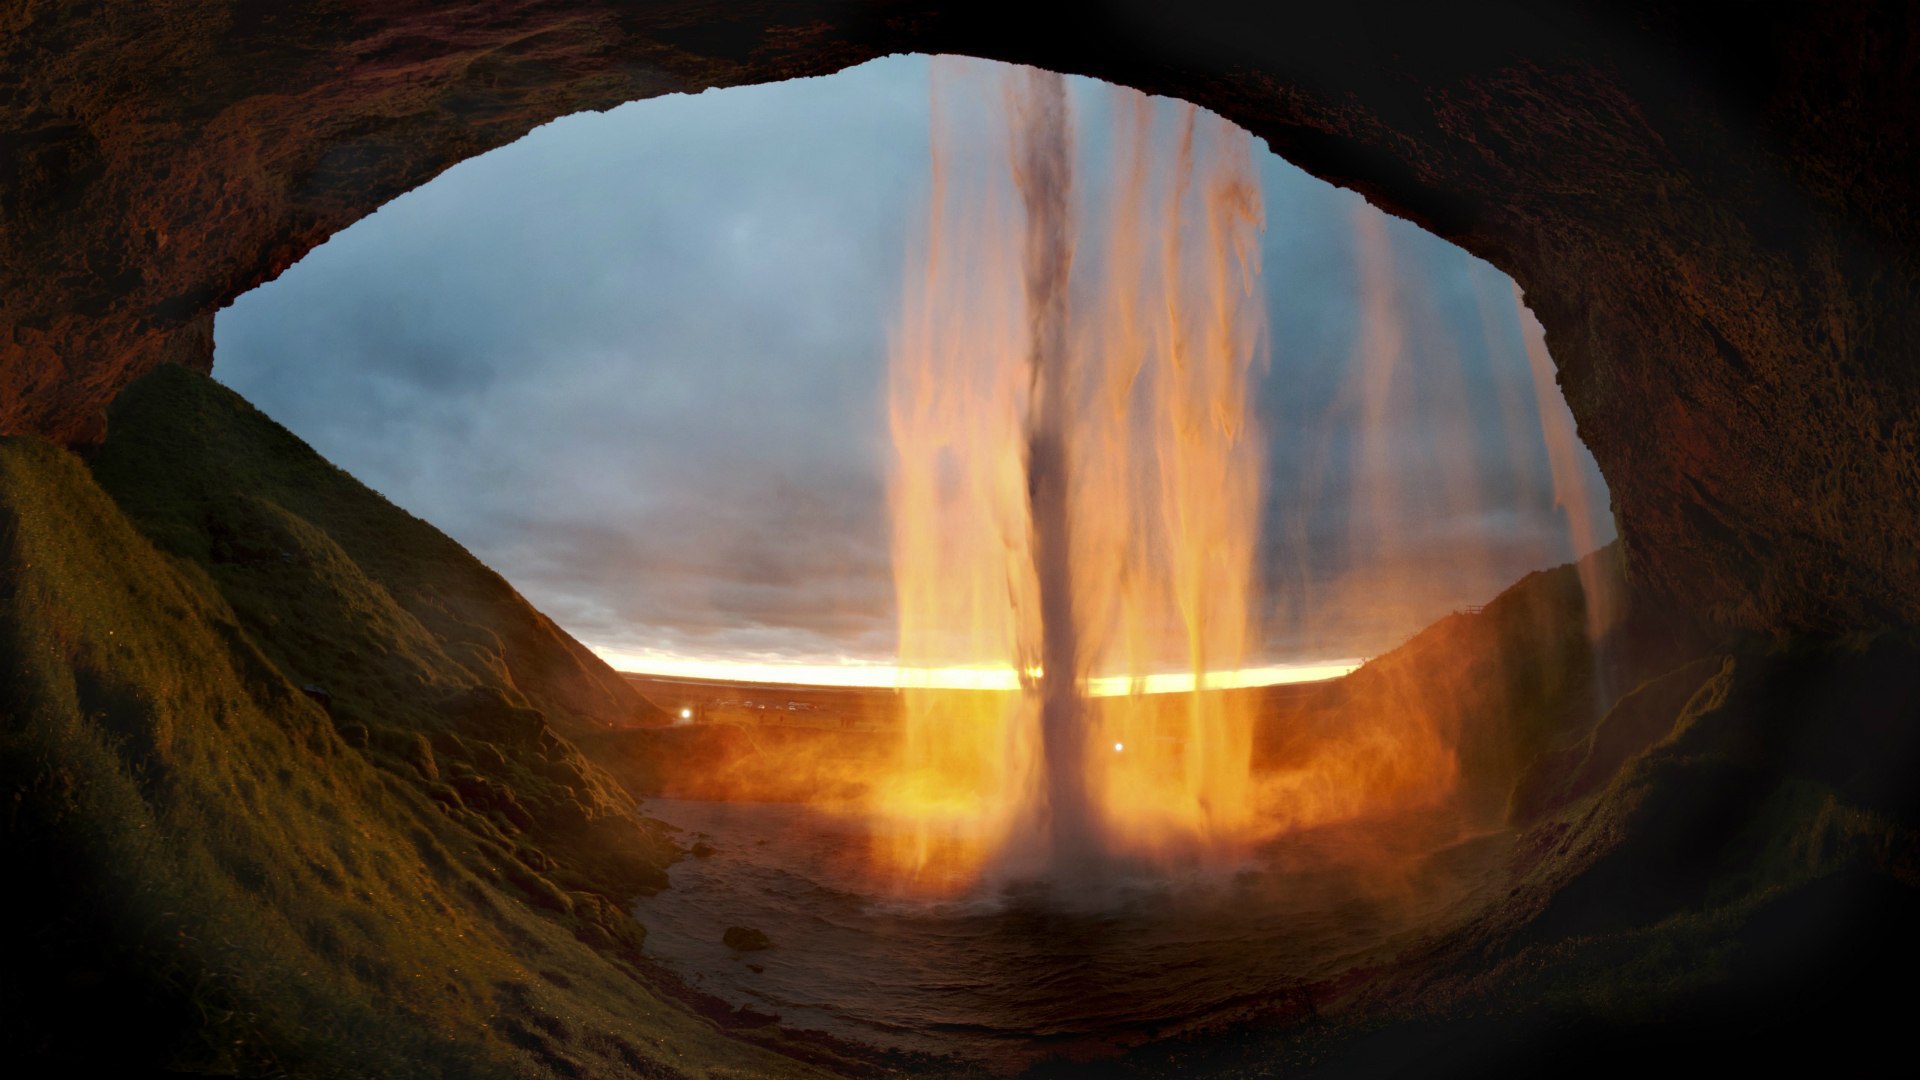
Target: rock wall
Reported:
point(1709, 210)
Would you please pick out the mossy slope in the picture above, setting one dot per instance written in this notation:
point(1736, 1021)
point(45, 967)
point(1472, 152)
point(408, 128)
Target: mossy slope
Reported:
point(214, 481)
point(407, 870)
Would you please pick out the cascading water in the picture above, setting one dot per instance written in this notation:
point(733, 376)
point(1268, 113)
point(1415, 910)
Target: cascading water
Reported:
point(1043, 171)
point(1076, 495)
point(1570, 491)
point(1076, 484)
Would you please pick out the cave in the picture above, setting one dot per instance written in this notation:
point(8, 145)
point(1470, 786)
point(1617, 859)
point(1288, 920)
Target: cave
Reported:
point(1707, 210)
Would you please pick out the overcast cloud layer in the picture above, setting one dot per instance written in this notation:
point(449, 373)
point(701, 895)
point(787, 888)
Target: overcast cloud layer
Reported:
point(636, 363)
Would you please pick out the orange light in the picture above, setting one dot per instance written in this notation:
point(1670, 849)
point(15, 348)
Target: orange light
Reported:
point(1143, 409)
point(1143, 538)
point(867, 674)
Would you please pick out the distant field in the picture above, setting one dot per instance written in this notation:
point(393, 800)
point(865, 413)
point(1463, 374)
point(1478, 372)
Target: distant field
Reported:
point(786, 743)
point(852, 708)
point(711, 701)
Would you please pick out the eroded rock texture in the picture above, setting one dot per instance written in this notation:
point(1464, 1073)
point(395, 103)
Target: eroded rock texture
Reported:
point(1709, 207)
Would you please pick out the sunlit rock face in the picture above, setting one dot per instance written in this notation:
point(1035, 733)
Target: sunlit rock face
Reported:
point(1709, 213)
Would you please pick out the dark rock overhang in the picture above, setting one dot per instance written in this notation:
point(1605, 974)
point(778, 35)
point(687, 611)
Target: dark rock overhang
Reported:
point(1709, 209)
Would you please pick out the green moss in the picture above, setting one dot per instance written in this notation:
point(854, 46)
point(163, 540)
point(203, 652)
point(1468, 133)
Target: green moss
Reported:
point(237, 875)
point(301, 549)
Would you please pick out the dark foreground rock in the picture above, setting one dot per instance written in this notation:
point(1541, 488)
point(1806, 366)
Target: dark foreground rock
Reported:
point(1742, 891)
point(745, 939)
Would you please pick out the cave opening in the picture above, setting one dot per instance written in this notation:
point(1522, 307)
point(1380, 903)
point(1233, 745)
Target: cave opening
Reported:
point(648, 365)
point(297, 784)
point(501, 350)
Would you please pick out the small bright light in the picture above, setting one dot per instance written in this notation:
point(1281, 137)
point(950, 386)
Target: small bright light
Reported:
point(686, 714)
point(1117, 747)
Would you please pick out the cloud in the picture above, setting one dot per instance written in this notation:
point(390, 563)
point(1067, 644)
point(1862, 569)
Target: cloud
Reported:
point(635, 361)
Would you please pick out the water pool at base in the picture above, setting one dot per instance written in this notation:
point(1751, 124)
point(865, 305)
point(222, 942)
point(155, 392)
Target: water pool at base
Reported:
point(1015, 971)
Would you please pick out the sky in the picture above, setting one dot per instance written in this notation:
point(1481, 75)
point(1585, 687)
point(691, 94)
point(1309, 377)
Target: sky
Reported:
point(636, 362)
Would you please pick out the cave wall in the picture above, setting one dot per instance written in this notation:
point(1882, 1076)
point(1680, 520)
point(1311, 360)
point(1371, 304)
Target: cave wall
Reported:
point(1709, 205)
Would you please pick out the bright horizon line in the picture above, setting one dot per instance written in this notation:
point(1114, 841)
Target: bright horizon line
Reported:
point(870, 675)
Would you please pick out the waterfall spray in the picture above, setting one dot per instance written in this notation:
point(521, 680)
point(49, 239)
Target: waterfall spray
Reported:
point(1076, 482)
point(1043, 171)
point(1570, 491)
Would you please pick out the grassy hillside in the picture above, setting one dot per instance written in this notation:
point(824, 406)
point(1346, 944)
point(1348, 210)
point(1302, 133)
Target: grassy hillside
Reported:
point(213, 481)
point(289, 783)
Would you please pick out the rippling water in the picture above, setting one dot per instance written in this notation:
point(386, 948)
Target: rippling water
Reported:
point(1016, 971)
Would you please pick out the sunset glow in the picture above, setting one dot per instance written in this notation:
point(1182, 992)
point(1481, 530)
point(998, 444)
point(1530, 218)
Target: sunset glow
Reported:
point(866, 674)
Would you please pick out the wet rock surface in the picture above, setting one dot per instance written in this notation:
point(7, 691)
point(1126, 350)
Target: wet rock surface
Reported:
point(745, 939)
